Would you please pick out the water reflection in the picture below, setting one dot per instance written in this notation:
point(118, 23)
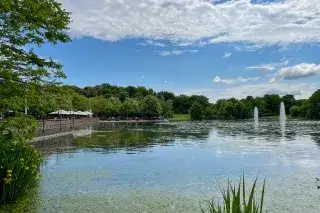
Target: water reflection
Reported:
point(112, 137)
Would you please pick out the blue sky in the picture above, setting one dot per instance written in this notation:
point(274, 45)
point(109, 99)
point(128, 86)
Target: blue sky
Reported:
point(214, 48)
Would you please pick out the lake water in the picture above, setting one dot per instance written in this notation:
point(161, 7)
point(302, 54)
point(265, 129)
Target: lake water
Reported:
point(174, 167)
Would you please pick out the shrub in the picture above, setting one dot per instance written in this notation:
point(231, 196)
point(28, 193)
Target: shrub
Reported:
point(234, 200)
point(19, 161)
point(196, 111)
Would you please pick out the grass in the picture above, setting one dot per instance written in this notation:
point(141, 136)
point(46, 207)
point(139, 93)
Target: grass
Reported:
point(180, 117)
point(30, 202)
point(235, 200)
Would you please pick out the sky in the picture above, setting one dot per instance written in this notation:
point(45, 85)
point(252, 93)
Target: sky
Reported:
point(216, 48)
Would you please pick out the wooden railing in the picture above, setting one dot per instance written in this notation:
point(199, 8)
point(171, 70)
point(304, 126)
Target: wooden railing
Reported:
point(55, 126)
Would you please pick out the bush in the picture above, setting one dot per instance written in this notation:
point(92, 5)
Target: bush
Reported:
point(19, 167)
point(196, 111)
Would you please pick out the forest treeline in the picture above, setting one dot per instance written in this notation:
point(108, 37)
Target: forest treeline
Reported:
point(107, 100)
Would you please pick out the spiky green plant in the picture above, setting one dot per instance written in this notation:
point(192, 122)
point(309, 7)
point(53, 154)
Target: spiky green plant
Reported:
point(235, 201)
point(19, 161)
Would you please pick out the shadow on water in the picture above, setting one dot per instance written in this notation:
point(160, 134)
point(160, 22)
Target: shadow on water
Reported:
point(132, 138)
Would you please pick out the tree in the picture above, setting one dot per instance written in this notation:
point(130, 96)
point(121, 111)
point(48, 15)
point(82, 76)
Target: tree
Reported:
point(181, 104)
point(122, 96)
point(166, 95)
point(25, 23)
point(131, 91)
point(98, 105)
point(150, 106)
point(167, 108)
point(249, 98)
point(227, 110)
point(272, 104)
point(116, 106)
point(315, 105)
point(129, 108)
point(200, 99)
point(211, 113)
point(196, 111)
point(239, 110)
point(80, 103)
point(288, 101)
point(42, 99)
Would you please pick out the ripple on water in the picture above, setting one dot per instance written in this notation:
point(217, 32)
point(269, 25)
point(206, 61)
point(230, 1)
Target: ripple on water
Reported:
point(172, 167)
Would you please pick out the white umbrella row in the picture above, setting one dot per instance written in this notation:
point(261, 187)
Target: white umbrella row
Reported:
point(64, 112)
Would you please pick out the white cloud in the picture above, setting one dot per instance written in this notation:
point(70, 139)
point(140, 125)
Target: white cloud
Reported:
point(299, 90)
point(267, 67)
point(227, 55)
point(248, 47)
point(279, 22)
point(184, 44)
point(217, 79)
point(176, 52)
point(270, 66)
point(302, 70)
point(152, 43)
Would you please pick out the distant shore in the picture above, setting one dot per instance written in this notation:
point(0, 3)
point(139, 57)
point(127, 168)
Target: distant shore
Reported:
point(134, 121)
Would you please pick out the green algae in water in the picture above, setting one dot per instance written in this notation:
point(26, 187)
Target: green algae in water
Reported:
point(133, 202)
point(173, 167)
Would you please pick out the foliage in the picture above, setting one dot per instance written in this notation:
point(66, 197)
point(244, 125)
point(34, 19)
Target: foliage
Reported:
point(100, 105)
point(23, 24)
point(227, 110)
point(130, 107)
point(166, 95)
point(235, 200)
point(272, 104)
point(150, 106)
point(315, 105)
point(196, 111)
point(288, 101)
point(80, 103)
point(19, 170)
point(167, 108)
point(29, 203)
point(115, 106)
point(26, 80)
point(211, 113)
point(123, 95)
point(181, 104)
point(18, 129)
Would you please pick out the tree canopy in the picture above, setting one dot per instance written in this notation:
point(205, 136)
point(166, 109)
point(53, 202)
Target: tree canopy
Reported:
point(196, 111)
point(24, 25)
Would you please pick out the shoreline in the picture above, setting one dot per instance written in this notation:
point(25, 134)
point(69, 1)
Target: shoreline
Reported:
point(134, 121)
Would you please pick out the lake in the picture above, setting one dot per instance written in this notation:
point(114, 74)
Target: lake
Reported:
point(175, 167)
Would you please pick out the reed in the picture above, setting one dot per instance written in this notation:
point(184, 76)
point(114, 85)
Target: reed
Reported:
point(235, 199)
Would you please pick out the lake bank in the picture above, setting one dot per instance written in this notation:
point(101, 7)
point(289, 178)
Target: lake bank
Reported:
point(134, 121)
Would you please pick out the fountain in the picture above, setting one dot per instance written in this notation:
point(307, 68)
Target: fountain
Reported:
point(256, 118)
point(282, 119)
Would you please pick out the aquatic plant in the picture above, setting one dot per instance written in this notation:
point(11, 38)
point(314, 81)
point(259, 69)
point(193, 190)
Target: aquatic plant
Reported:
point(235, 201)
point(19, 161)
